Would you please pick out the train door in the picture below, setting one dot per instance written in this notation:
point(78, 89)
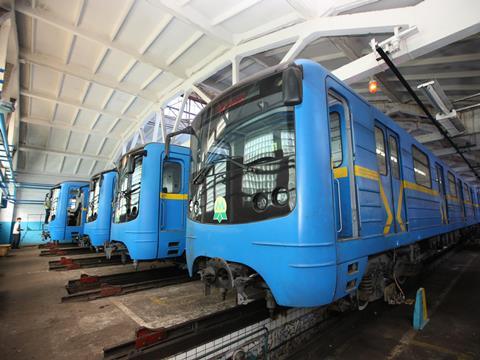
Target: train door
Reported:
point(342, 164)
point(172, 207)
point(443, 196)
point(391, 178)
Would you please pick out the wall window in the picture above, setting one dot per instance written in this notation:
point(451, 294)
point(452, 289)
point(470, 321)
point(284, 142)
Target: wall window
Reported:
point(421, 168)
point(380, 151)
point(336, 139)
point(394, 162)
point(171, 178)
point(451, 185)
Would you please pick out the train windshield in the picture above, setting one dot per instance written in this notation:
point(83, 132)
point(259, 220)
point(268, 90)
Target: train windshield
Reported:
point(54, 195)
point(93, 198)
point(127, 195)
point(243, 156)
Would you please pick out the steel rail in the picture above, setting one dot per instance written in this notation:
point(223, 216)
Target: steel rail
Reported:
point(87, 262)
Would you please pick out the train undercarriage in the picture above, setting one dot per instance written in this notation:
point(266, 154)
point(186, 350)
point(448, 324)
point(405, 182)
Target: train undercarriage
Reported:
point(383, 278)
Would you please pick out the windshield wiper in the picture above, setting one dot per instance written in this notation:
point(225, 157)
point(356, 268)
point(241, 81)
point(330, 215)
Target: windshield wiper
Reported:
point(126, 193)
point(202, 174)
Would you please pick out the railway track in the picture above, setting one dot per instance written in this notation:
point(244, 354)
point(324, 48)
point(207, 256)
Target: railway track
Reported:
point(50, 245)
point(88, 262)
point(163, 342)
point(66, 251)
point(95, 287)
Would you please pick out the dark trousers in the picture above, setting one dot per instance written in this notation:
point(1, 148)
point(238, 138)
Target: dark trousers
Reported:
point(15, 241)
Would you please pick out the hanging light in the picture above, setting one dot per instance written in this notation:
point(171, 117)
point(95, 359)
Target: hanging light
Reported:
point(372, 86)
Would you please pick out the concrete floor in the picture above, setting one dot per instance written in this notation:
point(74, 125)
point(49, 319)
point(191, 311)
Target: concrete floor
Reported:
point(35, 325)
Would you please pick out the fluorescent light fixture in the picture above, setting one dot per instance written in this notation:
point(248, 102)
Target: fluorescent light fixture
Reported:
point(446, 114)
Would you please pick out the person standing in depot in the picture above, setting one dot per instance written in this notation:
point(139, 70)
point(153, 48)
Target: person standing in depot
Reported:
point(48, 205)
point(17, 231)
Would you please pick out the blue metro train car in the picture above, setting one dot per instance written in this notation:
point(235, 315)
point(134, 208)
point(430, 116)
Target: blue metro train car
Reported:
point(150, 201)
point(67, 211)
point(300, 187)
point(99, 209)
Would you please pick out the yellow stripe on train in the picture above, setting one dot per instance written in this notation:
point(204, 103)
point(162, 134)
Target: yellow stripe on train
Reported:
point(168, 196)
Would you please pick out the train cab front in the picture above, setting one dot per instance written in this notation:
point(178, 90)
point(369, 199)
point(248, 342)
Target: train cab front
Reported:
point(132, 228)
point(260, 214)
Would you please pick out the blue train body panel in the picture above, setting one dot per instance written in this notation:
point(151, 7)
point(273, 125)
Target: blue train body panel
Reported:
point(341, 216)
point(63, 225)
point(99, 212)
point(150, 221)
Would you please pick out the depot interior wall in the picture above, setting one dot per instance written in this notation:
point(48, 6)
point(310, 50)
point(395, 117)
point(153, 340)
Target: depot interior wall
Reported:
point(6, 216)
point(32, 214)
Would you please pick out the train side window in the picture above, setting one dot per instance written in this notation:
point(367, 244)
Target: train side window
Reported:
point(336, 139)
point(171, 178)
point(394, 166)
point(451, 184)
point(380, 151)
point(421, 168)
point(466, 191)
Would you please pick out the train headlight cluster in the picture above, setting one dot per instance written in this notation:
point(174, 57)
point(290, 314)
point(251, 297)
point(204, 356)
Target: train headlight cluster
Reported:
point(280, 196)
point(194, 207)
point(260, 202)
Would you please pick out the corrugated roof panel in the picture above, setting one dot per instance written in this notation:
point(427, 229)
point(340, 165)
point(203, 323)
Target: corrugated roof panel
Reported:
point(34, 161)
point(86, 53)
point(53, 163)
point(104, 123)
point(41, 109)
point(115, 64)
point(37, 135)
point(97, 96)
point(101, 17)
point(45, 80)
point(51, 41)
point(108, 147)
point(58, 139)
point(65, 113)
point(69, 165)
point(141, 24)
point(137, 107)
point(172, 38)
point(121, 126)
point(139, 74)
point(85, 166)
point(73, 88)
point(119, 101)
point(75, 145)
point(86, 119)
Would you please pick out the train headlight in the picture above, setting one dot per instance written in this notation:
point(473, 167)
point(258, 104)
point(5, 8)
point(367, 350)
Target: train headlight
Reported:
point(190, 206)
point(260, 202)
point(280, 196)
point(196, 207)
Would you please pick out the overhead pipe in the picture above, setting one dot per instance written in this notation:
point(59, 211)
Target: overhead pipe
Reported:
point(419, 102)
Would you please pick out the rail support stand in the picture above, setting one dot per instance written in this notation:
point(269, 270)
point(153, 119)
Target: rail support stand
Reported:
point(420, 315)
